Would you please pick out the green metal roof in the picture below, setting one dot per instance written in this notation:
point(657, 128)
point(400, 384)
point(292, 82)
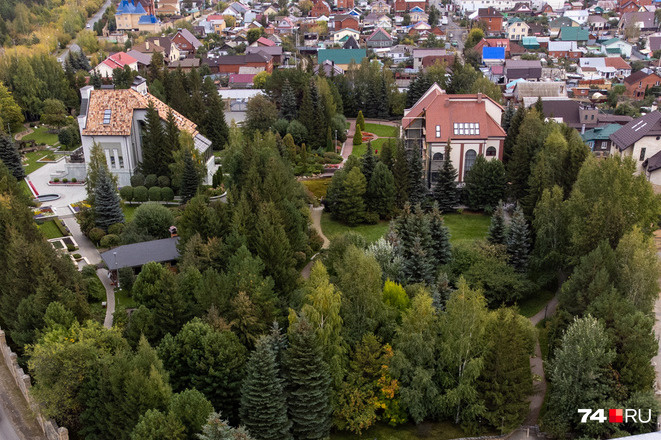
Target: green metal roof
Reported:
point(529, 42)
point(600, 133)
point(611, 41)
point(574, 34)
point(341, 56)
point(613, 50)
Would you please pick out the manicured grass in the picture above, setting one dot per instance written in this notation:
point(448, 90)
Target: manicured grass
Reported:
point(129, 212)
point(534, 304)
point(33, 157)
point(382, 130)
point(26, 190)
point(50, 229)
point(409, 431)
point(463, 227)
point(42, 136)
point(467, 226)
point(334, 228)
point(359, 150)
point(122, 299)
point(317, 187)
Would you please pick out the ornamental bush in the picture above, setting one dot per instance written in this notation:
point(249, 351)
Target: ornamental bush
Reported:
point(155, 194)
point(137, 180)
point(96, 234)
point(140, 194)
point(167, 194)
point(127, 193)
point(163, 181)
point(151, 180)
point(109, 241)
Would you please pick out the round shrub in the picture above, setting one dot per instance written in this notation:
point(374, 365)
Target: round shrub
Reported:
point(126, 192)
point(78, 256)
point(65, 180)
point(96, 234)
point(154, 218)
point(138, 179)
point(74, 180)
point(155, 194)
point(71, 248)
point(163, 181)
point(116, 229)
point(151, 180)
point(140, 194)
point(57, 179)
point(167, 195)
point(281, 126)
point(371, 218)
point(297, 131)
point(110, 240)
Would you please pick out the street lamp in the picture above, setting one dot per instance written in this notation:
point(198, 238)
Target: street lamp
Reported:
point(116, 270)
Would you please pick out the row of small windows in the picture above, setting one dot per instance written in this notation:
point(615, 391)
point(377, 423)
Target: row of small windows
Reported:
point(471, 128)
point(491, 152)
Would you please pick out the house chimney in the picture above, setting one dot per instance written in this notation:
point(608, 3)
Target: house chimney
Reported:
point(583, 129)
point(479, 98)
point(146, 45)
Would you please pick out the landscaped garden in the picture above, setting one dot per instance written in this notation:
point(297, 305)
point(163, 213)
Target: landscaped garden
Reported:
point(463, 227)
point(317, 187)
point(50, 229)
point(30, 163)
point(382, 134)
point(42, 137)
point(409, 431)
point(381, 130)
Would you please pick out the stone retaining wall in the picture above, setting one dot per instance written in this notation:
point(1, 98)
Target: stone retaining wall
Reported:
point(50, 429)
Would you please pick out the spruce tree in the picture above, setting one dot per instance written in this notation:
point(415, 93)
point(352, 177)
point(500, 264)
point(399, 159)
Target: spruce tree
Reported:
point(368, 163)
point(417, 189)
point(446, 193)
point(485, 184)
point(518, 240)
point(506, 118)
point(360, 121)
point(11, 157)
point(263, 405)
point(383, 109)
point(415, 245)
point(440, 237)
point(400, 171)
point(288, 105)
point(513, 132)
point(171, 144)
point(306, 112)
point(497, 230)
point(380, 195)
point(351, 207)
point(213, 124)
point(190, 180)
point(107, 208)
point(152, 143)
point(387, 153)
point(318, 129)
point(308, 383)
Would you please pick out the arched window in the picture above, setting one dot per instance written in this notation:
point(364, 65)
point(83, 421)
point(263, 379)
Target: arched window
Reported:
point(491, 151)
point(437, 156)
point(469, 160)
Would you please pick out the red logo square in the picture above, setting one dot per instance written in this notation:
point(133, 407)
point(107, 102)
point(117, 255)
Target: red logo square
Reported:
point(615, 415)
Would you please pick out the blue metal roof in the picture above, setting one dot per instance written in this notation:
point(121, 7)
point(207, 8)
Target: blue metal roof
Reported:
point(129, 7)
point(493, 53)
point(148, 19)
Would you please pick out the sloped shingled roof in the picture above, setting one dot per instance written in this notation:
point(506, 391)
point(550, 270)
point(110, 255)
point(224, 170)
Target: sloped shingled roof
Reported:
point(121, 104)
point(139, 254)
point(648, 125)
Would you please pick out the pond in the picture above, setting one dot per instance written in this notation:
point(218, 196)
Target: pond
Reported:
point(48, 197)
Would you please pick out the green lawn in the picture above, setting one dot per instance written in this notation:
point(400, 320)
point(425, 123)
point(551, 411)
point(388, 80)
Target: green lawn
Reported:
point(50, 229)
point(122, 299)
point(129, 212)
point(317, 187)
point(382, 130)
point(359, 150)
point(467, 226)
point(463, 227)
point(436, 431)
point(33, 157)
point(42, 136)
point(531, 306)
point(24, 186)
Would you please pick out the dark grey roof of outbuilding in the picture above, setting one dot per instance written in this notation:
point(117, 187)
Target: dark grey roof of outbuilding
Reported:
point(653, 163)
point(138, 254)
point(648, 125)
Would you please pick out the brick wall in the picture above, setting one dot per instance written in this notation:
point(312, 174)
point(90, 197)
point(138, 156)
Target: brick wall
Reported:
point(50, 429)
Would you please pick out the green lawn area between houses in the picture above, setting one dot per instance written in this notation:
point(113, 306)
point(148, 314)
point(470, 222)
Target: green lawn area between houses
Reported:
point(50, 229)
point(41, 136)
point(33, 157)
point(409, 431)
point(382, 130)
point(463, 227)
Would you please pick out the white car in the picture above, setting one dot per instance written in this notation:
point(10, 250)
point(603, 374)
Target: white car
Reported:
point(88, 26)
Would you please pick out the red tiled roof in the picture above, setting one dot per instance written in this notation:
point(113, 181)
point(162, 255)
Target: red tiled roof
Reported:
point(119, 59)
point(617, 63)
point(442, 109)
point(265, 42)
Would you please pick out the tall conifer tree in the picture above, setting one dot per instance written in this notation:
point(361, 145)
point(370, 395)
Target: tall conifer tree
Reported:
point(107, 208)
point(10, 157)
point(445, 190)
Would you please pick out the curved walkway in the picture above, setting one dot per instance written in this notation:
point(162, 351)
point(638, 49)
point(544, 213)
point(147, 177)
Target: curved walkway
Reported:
point(21, 135)
point(315, 214)
point(347, 146)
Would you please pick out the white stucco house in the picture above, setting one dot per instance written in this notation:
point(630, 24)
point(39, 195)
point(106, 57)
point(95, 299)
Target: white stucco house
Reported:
point(640, 139)
point(115, 119)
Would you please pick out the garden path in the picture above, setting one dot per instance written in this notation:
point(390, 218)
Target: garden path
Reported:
point(315, 213)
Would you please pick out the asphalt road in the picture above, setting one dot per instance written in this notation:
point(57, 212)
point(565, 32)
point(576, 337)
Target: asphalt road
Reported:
point(90, 25)
point(7, 431)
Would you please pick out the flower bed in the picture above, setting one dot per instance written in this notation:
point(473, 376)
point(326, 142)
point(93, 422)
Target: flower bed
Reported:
point(43, 212)
point(368, 136)
point(59, 182)
point(78, 206)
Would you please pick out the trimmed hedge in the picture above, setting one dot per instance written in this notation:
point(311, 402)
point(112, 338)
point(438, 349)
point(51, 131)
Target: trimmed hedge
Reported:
point(126, 192)
point(137, 180)
point(61, 227)
point(140, 194)
point(110, 240)
point(167, 194)
point(151, 180)
point(155, 194)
